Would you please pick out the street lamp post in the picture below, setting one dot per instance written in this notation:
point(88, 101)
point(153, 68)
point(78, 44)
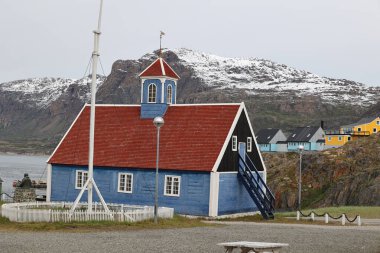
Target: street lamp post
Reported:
point(158, 122)
point(300, 148)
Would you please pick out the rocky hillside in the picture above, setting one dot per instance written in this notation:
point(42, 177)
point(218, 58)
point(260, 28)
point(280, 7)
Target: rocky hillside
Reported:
point(35, 113)
point(349, 175)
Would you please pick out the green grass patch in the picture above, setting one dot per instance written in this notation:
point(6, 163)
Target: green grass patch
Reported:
point(91, 226)
point(367, 212)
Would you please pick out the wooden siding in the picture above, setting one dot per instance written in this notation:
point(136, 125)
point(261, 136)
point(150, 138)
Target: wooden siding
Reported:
point(174, 90)
point(233, 197)
point(194, 188)
point(230, 158)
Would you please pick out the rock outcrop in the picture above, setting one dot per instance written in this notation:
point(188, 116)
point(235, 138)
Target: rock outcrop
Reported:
point(349, 175)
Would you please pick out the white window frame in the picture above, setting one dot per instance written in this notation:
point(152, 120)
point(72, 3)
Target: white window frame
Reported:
point(340, 138)
point(83, 176)
point(171, 193)
point(249, 144)
point(329, 138)
point(234, 143)
point(169, 99)
point(374, 130)
point(378, 122)
point(154, 95)
point(124, 190)
point(359, 129)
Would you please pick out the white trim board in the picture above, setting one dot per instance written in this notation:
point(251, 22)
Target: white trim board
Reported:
point(227, 140)
point(68, 130)
point(215, 104)
point(162, 67)
point(214, 194)
point(257, 147)
point(148, 67)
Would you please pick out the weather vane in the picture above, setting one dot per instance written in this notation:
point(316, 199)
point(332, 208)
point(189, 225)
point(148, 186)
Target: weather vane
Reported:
point(161, 34)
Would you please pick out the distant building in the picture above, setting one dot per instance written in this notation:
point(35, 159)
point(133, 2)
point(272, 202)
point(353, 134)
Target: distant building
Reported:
point(335, 139)
point(271, 140)
point(311, 137)
point(362, 128)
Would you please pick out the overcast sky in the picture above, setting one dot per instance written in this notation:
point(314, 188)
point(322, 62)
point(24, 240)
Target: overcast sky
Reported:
point(333, 38)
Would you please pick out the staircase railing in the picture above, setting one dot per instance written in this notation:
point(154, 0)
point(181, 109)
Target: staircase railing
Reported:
point(268, 192)
point(263, 199)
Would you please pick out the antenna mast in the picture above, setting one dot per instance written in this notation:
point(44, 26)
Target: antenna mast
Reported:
point(90, 183)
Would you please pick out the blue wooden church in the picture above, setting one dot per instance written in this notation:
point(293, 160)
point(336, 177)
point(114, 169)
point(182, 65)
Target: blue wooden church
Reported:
point(210, 163)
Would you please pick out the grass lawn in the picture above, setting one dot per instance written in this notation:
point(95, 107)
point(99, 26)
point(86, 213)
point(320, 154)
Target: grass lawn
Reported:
point(91, 226)
point(176, 222)
point(366, 212)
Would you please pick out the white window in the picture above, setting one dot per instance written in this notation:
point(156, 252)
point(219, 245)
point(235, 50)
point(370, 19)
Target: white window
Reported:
point(152, 92)
point(169, 95)
point(172, 185)
point(359, 129)
point(340, 138)
point(234, 143)
point(308, 135)
point(375, 130)
point(81, 178)
point(125, 182)
point(378, 122)
point(329, 138)
point(249, 144)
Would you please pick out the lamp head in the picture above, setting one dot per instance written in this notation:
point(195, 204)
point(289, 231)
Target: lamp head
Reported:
point(301, 147)
point(158, 121)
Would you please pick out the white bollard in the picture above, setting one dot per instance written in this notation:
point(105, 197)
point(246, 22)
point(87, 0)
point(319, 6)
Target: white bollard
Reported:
point(312, 216)
point(343, 219)
point(326, 218)
point(298, 215)
point(359, 221)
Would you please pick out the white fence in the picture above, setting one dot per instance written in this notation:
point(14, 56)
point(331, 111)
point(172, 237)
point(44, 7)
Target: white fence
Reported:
point(57, 212)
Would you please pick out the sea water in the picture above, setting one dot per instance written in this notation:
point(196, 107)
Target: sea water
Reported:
point(13, 167)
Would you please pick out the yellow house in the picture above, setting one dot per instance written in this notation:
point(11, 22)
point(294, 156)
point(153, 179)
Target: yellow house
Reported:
point(336, 139)
point(363, 127)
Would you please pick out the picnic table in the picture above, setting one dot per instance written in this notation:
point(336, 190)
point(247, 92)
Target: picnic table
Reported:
point(256, 247)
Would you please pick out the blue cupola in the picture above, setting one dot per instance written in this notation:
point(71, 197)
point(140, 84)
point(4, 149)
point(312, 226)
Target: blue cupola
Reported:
point(158, 89)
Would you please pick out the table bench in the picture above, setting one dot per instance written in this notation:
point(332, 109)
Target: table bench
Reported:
point(257, 247)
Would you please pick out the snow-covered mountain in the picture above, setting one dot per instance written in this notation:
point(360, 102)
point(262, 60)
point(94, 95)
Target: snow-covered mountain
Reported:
point(41, 109)
point(41, 92)
point(258, 76)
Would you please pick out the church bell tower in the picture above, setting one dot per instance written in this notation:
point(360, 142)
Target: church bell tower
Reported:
point(158, 89)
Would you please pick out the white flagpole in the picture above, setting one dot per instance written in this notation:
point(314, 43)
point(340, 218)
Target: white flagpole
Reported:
point(95, 56)
point(90, 181)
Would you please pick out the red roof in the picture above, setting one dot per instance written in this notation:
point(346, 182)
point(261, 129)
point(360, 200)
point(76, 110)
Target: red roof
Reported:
point(191, 139)
point(159, 68)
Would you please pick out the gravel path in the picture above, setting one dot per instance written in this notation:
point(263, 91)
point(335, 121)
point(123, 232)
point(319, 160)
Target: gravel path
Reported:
point(302, 238)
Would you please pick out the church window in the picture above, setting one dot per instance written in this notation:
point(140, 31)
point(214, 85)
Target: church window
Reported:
point(152, 93)
point(169, 95)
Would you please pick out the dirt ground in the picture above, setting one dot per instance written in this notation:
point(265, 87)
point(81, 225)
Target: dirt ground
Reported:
point(301, 238)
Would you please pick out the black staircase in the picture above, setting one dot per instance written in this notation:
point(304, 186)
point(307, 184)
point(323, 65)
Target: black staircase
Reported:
point(256, 187)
